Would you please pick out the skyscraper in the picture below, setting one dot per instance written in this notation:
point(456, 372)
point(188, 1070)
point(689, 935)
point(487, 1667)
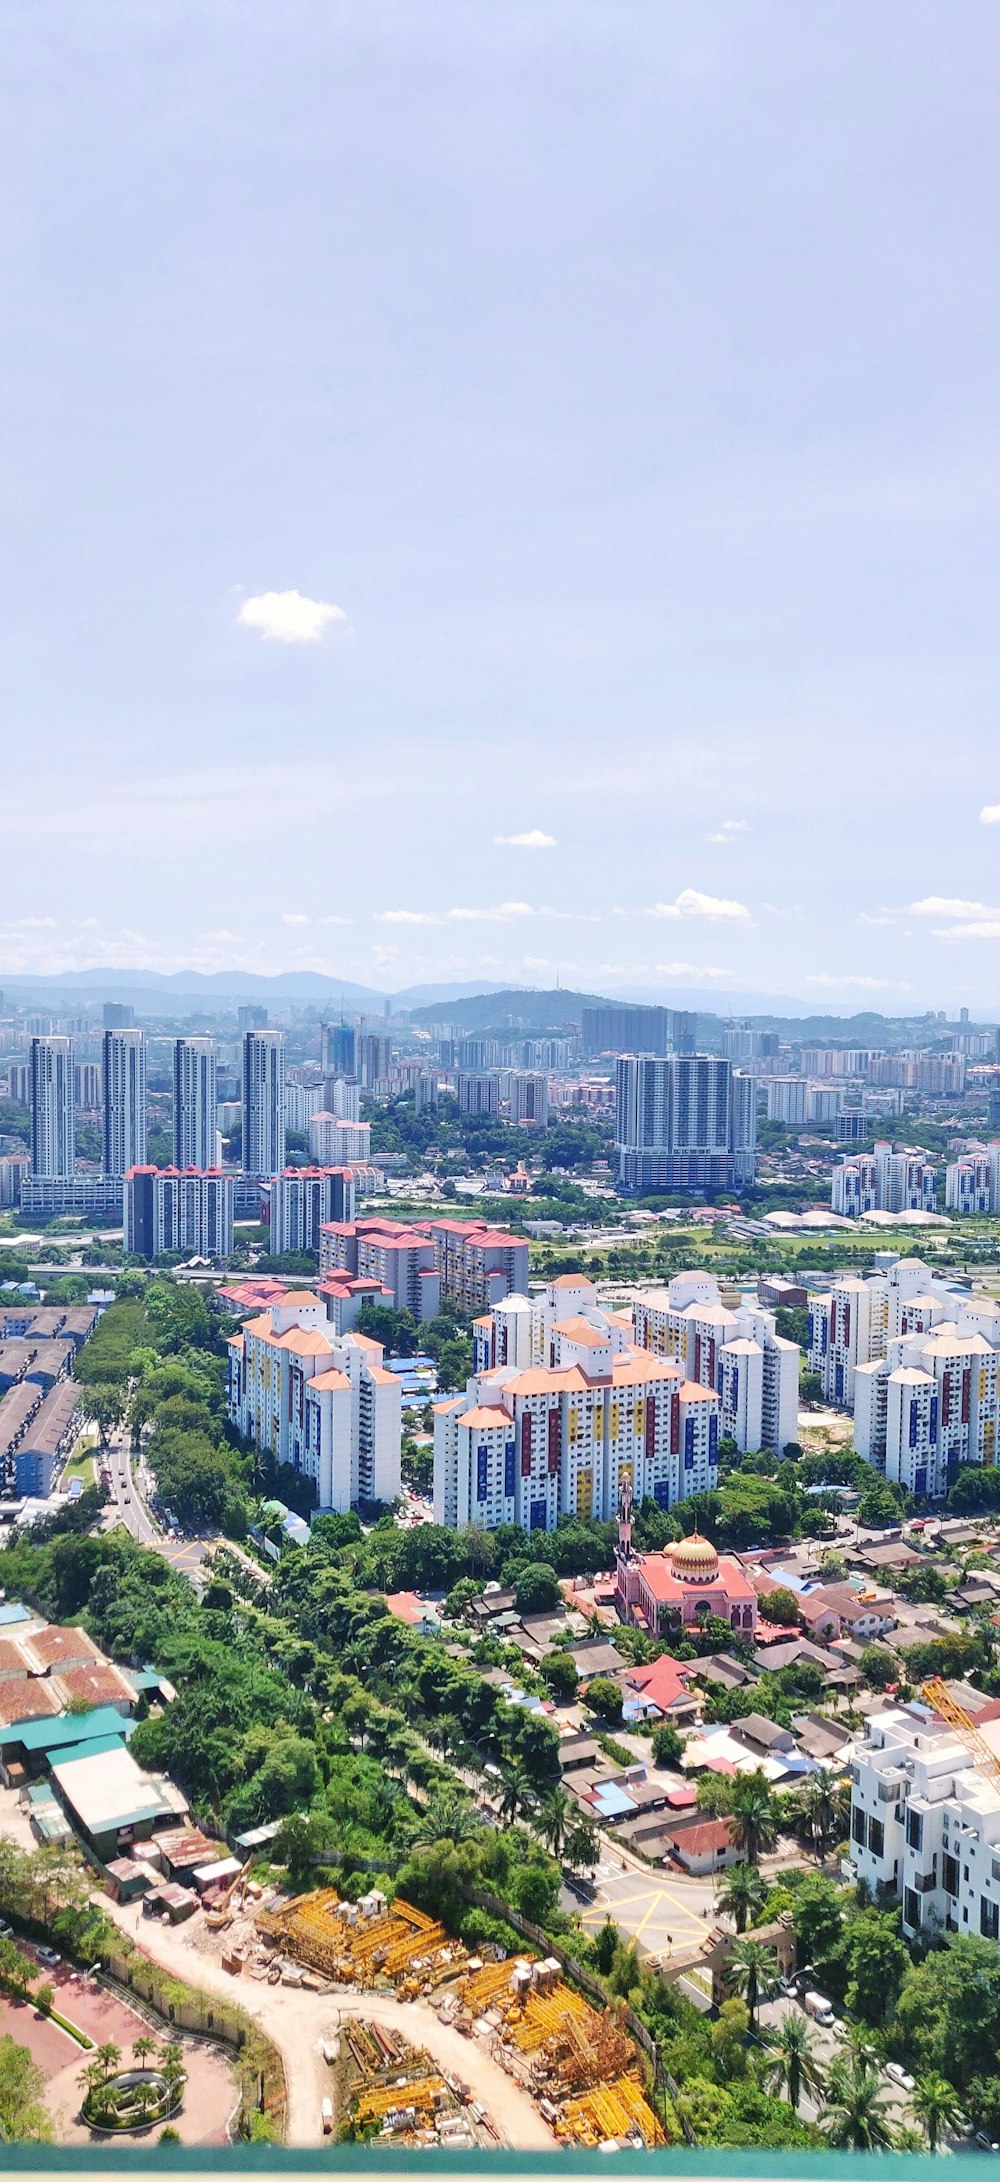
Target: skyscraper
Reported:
point(124, 1101)
point(338, 1049)
point(53, 1111)
point(194, 1102)
point(263, 1103)
point(685, 1121)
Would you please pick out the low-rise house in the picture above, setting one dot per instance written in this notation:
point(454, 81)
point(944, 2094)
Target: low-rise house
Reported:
point(833, 1609)
point(705, 1848)
point(761, 1734)
point(664, 1686)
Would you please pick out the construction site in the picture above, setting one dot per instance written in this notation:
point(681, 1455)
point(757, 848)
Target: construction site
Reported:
point(579, 2065)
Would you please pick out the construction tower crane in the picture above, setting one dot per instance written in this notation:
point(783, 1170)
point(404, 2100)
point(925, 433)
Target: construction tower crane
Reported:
point(938, 1695)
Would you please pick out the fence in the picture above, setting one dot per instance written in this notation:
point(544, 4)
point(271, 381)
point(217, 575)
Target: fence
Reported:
point(259, 2065)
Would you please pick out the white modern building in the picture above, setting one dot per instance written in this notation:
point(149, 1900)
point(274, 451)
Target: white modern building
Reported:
point(752, 1368)
point(195, 1102)
point(529, 1099)
point(263, 1103)
point(932, 1402)
point(52, 1105)
point(124, 1065)
point(334, 1142)
point(925, 1822)
point(323, 1402)
point(852, 1323)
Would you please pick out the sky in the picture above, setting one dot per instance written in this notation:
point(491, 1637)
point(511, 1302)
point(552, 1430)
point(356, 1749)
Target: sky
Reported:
point(504, 488)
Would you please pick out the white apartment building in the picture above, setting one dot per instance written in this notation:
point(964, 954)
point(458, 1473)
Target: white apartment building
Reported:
point(299, 1202)
point(87, 1087)
point(852, 1324)
point(932, 1402)
point(195, 1102)
point(751, 1367)
point(525, 1330)
point(972, 1183)
point(124, 1064)
point(52, 1105)
point(323, 1402)
point(925, 1823)
point(167, 1209)
point(786, 1100)
point(264, 1104)
point(529, 1099)
point(883, 1181)
point(302, 1101)
point(334, 1143)
point(478, 1092)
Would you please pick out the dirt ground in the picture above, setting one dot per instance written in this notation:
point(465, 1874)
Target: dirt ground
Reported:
point(297, 2021)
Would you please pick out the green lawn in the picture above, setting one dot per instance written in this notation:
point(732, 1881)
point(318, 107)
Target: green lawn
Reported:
point(81, 1465)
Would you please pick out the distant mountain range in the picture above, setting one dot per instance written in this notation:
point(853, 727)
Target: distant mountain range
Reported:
point(138, 987)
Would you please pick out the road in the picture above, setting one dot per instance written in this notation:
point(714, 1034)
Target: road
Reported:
point(828, 2048)
point(296, 2021)
point(664, 1911)
point(128, 1506)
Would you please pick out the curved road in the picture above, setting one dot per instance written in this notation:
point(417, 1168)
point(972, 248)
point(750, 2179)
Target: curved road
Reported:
point(296, 2021)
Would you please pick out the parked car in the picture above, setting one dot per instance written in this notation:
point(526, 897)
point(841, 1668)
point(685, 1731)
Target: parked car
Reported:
point(899, 2075)
point(48, 1955)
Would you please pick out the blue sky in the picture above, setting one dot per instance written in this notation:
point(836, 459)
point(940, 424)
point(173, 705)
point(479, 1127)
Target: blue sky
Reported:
point(625, 376)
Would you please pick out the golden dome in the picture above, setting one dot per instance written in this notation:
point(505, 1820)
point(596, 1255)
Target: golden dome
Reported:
point(694, 1559)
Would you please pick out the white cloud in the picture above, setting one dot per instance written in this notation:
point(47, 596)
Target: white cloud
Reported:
point(990, 814)
point(690, 903)
point(285, 617)
point(536, 839)
point(504, 913)
point(987, 927)
point(887, 918)
point(293, 916)
point(941, 905)
point(859, 984)
point(334, 920)
point(728, 831)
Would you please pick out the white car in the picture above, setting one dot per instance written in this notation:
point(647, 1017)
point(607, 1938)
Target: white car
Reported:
point(899, 2075)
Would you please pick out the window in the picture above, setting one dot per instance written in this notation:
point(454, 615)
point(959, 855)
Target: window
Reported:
point(911, 1909)
point(858, 1825)
point(989, 1918)
point(876, 1837)
point(949, 1874)
point(914, 1830)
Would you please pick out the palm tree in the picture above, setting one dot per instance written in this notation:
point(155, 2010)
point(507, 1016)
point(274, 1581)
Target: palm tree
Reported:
point(143, 2047)
point(108, 2058)
point(935, 2104)
point(752, 1816)
point(742, 1895)
point(449, 1818)
point(553, 1819)
point(793, 2066)
point(855, 2113)
point(821, 1801)
point(515, 1793)
point(752, 1972)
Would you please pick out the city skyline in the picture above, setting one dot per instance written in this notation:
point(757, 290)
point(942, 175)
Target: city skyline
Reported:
point(584, 475)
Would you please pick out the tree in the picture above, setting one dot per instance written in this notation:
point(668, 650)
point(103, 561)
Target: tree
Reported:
point(752, 1810)
point(752, 1971)
point(793, 2065)
point(935, 2103)
point(780, 1606)
point(108, 2059)
point(515, 1793)
point(729, 2038)
point(948, 2013)
point(23, 2119)
point(818, 1920)
point(742, 1895)
point(604, 1697)
point(144, 2047)
point(878, 1961)
point(878, 1666)
point(855, 2114)
point(559, 1671)
point(553, 1819)
point(668, 1747)
point(582, 1849)
point(820, 1803)
point(45, 1998)
point(537, 1589)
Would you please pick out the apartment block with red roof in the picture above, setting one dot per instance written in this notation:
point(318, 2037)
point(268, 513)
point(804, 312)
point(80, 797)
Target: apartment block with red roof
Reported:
point(474, 1264)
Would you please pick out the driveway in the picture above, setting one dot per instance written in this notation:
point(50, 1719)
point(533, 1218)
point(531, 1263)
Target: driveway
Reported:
point(664, 1911)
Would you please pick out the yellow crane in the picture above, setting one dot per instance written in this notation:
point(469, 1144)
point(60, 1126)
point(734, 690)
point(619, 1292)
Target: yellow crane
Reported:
point(938, 1695)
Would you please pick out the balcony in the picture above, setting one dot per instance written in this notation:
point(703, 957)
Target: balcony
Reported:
point(925, 1882)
